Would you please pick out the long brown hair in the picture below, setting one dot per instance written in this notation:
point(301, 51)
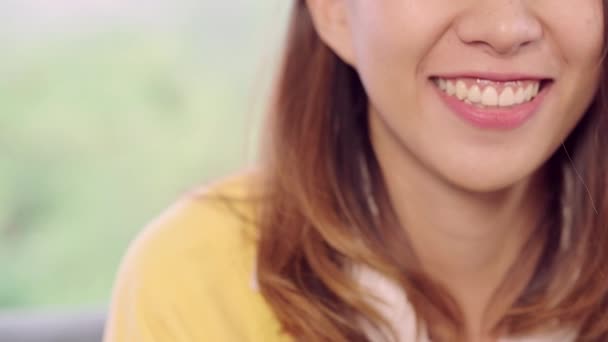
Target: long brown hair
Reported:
point(318, 218)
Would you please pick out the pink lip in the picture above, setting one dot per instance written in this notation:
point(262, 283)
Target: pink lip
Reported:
point(495, 118)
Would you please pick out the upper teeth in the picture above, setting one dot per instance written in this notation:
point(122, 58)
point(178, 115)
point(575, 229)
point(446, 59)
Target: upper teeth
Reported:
point(490, 93)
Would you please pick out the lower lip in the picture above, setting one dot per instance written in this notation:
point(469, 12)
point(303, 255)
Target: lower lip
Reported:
point(495, 118)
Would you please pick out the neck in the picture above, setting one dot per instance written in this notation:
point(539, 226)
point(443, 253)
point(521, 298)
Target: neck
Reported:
point(466, 241)
point(464, 233)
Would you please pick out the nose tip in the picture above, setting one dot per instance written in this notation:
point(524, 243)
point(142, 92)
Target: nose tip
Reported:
point(512, 35)
point(502, 29)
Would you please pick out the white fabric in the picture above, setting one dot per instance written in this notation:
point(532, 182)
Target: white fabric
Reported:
point(394, 305)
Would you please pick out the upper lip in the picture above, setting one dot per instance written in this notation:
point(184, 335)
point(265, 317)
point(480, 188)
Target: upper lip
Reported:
point(495, 76)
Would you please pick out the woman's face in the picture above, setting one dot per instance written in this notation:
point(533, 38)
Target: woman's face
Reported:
point(478, 92)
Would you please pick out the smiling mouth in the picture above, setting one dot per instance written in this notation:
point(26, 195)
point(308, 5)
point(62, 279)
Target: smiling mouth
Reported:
point(489, 94)
point(492, 104)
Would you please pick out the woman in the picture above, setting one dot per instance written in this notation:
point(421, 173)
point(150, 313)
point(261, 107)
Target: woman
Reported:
point(435, 170)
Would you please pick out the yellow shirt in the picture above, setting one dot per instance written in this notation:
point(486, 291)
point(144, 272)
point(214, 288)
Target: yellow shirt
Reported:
point(189, 276)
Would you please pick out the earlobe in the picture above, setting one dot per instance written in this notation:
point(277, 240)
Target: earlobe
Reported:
point(331, 21)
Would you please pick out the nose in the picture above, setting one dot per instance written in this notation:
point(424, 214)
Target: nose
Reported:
point(501, 27)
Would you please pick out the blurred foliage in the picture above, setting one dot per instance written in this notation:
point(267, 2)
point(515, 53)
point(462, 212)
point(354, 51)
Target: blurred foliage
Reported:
point(98, 134)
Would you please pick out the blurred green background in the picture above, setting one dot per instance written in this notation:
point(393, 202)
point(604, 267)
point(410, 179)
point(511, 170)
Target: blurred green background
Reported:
point(109, 110)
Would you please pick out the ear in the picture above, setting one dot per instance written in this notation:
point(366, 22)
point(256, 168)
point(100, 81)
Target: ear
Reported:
point(332, 22)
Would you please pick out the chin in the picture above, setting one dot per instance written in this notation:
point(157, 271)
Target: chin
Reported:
point(489, 180)
point(485, 185)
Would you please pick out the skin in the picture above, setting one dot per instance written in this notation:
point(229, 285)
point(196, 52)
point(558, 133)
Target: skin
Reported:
point(486, 182)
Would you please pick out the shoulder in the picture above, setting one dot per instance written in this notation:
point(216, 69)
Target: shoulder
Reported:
point(204, 231)
point(187, 276)
point(203, 222)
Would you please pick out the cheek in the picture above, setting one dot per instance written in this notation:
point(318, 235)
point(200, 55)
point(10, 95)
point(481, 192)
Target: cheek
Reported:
point(580, 45)
point(576, 29)
point(391, 39)
point(395, 34)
